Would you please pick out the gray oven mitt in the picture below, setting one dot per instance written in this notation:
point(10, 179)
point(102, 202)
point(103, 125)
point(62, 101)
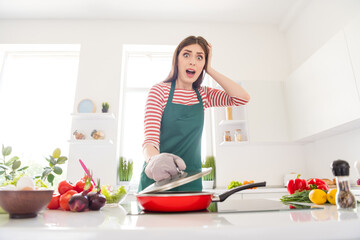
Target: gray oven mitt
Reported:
point(164, 165)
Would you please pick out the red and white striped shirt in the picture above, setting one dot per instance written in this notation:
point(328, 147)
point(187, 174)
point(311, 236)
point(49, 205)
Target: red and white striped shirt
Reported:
point(158, 97)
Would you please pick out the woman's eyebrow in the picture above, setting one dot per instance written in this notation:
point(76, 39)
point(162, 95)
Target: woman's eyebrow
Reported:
point(186, 50)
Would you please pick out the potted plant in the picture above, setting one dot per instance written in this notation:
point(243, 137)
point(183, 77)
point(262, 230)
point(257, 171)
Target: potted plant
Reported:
point(105, 107)
point(10, 168)
point(125, 170)
point(53, 169)
point(208, 180)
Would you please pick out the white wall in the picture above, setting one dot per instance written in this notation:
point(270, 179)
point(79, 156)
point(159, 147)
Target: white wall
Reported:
point(242, 52)
point(320, 154)
point(318, 23)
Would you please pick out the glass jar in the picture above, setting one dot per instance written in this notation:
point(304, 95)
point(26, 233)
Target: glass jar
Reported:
point(344, 197)
point(237, 135)
point(227, 137)
point(229, 113)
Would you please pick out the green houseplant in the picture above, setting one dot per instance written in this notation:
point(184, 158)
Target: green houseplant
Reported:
point(10, 168)
point(105, 107)
point(208, 180)
point(125, 169)
point(54, 161)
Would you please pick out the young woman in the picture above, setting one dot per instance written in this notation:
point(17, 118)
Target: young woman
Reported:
point(174, 113)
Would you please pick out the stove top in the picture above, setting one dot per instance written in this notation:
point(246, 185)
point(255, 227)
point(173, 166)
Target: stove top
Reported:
point(230, 206)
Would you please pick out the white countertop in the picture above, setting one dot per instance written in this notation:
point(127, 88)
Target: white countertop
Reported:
point(112, 222)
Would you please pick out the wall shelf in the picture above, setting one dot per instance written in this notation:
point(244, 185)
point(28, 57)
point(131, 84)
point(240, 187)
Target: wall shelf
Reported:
point(231, 122)
point(233, 144)
point(93, 116)
point(91, 142)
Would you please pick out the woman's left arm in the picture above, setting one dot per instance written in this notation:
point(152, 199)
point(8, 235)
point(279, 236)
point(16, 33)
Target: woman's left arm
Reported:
point(232, 88)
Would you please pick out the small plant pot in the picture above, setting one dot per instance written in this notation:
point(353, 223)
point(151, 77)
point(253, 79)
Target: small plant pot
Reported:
point(124, 183)
point(104, 110)
point(208, 184)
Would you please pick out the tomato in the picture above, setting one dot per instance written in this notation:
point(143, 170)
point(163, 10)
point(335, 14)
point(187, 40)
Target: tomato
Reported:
point(65, 186)
point(64, 199)
point(54, 203)
point(79, 186)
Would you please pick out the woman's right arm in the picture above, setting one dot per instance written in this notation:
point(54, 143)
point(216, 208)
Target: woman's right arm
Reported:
point(149, 151)
point(152, 121)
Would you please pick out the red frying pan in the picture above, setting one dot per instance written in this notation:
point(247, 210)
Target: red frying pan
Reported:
point(154, 199)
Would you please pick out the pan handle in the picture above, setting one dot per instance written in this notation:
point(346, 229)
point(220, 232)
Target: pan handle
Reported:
point(230, 192)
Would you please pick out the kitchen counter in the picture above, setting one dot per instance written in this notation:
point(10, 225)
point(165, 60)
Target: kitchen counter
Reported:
point(110, 222)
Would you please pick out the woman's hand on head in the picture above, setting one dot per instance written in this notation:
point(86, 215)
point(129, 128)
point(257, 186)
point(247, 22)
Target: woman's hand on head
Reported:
point(208, 65)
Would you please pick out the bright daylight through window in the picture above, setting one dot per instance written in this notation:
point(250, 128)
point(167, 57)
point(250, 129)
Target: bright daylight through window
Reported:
point(37, 89)
point(143, 67)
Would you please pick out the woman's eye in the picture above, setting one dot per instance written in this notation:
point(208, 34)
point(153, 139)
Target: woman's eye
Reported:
point(186, 55)
point(200, 57)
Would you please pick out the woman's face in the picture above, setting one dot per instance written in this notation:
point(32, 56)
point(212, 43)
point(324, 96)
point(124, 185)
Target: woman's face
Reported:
point(191, 62)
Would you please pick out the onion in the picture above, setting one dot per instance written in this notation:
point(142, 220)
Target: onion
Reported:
point(79, 202)
point(96, 199)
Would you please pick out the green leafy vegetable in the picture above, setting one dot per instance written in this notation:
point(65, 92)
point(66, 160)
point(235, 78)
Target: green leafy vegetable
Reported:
point(112, 195)
point(39, 183)
point(234, 184)
point(302, 196)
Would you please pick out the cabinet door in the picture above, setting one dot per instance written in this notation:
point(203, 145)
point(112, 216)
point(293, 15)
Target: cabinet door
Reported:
point(352, 35)
point(321, 94)
point(266, 111)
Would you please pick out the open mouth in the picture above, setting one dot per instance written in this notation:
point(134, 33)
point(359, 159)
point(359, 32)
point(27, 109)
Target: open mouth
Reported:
point(190, 72)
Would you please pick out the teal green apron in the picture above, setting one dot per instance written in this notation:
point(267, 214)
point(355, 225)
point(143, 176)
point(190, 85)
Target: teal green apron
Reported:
point(180, 134)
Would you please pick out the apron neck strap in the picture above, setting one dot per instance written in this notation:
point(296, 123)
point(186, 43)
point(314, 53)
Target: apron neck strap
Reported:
point(172, 90)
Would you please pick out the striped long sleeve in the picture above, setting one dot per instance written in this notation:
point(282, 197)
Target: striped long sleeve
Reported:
point(158, 97)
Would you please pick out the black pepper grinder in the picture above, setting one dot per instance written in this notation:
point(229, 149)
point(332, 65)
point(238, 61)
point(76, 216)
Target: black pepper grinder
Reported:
point(344, 197)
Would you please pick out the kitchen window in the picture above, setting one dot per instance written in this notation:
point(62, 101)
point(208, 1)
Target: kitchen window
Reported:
point(143, 67)
point(37, 89)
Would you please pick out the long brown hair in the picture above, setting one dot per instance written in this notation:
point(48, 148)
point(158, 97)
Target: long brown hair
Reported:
point(186, 42)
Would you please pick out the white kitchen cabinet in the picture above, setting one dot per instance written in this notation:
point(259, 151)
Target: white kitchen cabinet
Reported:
point(262, 195)
point(352, 35)
point(267, 120)
point(322, 94)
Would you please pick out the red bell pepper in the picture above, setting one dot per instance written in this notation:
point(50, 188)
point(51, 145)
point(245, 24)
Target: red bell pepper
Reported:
point(318, 184)
point(297, 185)
point(316, 181)
point(323, 187)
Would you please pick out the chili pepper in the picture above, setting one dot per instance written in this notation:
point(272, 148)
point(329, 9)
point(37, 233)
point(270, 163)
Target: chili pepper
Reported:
point(316, 183)
point(297, 185)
